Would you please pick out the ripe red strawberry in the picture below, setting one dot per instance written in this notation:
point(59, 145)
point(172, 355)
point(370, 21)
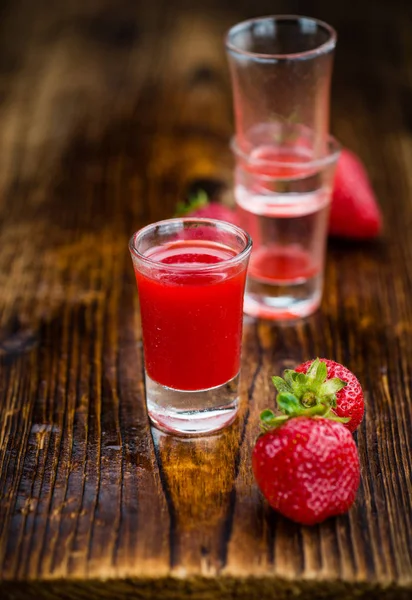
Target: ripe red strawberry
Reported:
point(307, 468)
point(354, 211)
point(347, 401)
point(215, 211)
point(201, 207)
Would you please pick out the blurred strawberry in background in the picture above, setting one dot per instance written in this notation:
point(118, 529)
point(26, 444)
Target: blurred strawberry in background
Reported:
point(354, 213)
point(202, 206)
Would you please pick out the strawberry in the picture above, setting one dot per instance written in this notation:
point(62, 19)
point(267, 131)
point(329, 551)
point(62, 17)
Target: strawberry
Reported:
point(306, 467)
point(327, 382)
point(354, 210)
point(200, 206)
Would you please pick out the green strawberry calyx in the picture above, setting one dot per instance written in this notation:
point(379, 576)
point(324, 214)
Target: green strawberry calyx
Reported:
point(195, 202)
point(309, 394)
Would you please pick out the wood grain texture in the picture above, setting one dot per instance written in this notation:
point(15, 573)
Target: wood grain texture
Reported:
point(110, 113)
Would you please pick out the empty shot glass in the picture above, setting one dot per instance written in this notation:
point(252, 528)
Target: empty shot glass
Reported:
point(191, 276)
point(281, 69)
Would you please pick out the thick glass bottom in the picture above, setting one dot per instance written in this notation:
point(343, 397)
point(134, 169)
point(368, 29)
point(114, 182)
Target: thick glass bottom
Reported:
point(283, 301)
point(192, 413)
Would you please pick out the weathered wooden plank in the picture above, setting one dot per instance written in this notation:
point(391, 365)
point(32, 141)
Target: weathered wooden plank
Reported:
point(112, 112)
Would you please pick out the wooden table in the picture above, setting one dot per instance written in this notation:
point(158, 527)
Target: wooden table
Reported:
point(111, 112)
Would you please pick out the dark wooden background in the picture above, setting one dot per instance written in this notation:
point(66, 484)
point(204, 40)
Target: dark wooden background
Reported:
point(110, 112)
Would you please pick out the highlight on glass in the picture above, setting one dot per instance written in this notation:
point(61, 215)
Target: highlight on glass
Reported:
point(281, 70)
point(191, 277)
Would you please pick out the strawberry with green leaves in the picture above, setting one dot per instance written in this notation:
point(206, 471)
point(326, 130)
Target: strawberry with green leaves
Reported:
point(306, 462)
point(329, 381)
point(327, 386)
point(201, 206)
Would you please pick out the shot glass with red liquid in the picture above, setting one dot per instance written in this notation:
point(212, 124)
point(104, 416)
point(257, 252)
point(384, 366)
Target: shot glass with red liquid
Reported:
point(283, 202)
point(191, 277)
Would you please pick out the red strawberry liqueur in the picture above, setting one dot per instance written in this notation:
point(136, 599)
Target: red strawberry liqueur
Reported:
point(191, 276)
point(192, 320)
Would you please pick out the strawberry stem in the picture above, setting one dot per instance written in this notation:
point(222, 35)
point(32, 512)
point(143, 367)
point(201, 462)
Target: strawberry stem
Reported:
point(195, 202)
point(304, 395)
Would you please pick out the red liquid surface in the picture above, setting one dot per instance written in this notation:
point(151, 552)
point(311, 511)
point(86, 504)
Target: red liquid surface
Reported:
point(192, 320)
point(269, 161)
point(278, 224)
point(277, 264)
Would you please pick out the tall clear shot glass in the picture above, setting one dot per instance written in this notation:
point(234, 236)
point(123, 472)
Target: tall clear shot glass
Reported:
point(191, 276)
point(281, 70)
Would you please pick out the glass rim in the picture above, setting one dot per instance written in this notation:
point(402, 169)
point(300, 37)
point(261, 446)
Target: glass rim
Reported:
point(318, 51)
point(317, 163)
point(217, 223)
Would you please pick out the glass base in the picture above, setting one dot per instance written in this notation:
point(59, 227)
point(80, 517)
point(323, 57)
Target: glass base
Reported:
point(192, 413)
point(283, 301)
